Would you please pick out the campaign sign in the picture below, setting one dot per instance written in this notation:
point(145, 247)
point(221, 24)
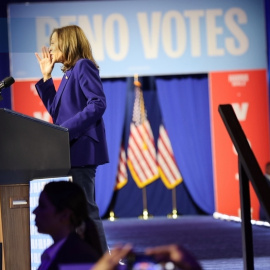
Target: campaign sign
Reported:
point(146, 38)
point(247, 92)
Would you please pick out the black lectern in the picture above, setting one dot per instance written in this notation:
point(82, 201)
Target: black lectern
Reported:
point(29, 148)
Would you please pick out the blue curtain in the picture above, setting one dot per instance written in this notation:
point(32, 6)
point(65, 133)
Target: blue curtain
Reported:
point(184, 104)
point(115, 91)
point(128, 202)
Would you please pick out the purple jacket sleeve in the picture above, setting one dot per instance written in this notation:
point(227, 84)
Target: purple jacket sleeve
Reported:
point(89, 96)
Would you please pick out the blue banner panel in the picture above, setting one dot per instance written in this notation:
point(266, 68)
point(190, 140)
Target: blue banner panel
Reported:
point(146, 37)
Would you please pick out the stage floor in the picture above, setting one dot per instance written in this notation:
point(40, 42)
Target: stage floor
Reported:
point(217, 244)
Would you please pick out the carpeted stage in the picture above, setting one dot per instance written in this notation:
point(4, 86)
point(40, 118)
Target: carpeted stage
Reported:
point(216, 243)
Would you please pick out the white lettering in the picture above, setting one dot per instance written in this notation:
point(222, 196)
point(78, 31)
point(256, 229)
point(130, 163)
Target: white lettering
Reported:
point(173, 32)
point(66, 20)
point(167, 37)
point(42, 115)
point(213, 31)
point(241, 110)
point(238, 80)
point(242, 40)
point(150, 36)
point(35, 257)
point(33, 230)
point(36, 187)
point(33, 201)
point(40, 243)
point(94, 34)
point(195, 38)
point(45, 26)
point(123, 37)
point(33, 89)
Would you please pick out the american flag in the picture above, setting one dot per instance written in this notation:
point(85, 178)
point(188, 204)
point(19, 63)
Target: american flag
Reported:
point(121, 178)
point(168, 169)
point(141, 152)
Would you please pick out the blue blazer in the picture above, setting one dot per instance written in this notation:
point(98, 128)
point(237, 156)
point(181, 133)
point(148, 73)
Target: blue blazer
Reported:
point(78, 105)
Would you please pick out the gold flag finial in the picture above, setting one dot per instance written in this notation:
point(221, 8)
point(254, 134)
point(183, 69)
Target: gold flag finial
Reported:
point(136, 80)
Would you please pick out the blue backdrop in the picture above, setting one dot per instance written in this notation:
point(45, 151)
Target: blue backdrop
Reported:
point(182, 104)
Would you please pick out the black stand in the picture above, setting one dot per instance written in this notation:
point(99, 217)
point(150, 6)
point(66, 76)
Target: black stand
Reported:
point(249, 169)
point(247, 240)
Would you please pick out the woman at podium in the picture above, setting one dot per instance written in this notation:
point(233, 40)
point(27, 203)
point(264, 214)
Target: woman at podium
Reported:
point(78, 105)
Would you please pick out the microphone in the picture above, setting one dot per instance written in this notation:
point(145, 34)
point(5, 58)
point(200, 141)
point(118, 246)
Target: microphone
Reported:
point(8, 81)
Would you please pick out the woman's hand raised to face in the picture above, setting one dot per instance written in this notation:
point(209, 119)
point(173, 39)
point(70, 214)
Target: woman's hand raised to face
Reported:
point(46, 63)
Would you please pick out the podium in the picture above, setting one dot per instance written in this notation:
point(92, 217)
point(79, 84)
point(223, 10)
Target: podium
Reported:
point(29, 149)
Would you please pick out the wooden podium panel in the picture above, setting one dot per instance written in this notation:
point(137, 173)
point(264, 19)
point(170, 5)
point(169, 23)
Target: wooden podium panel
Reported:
point(14, 227)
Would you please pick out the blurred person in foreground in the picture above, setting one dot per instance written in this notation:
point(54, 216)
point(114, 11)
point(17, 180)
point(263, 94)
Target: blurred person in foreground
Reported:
point(62, 214)
point(178, 256)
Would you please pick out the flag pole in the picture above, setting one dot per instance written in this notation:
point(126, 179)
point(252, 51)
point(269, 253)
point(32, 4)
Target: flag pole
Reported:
point(144, 147)
point(145, 215)
point(112, 216)
point(174, 213)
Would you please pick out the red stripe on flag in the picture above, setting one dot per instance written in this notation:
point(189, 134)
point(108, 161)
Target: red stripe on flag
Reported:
point(147, 128)
point(140, 160)
point(136, 161)
point(121, 178)
point(168, 168)
point(144, 152)
point(168, 152)
point(142, 166)
point(167, 164)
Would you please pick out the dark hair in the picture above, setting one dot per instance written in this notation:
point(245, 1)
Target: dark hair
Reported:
point(69, 195)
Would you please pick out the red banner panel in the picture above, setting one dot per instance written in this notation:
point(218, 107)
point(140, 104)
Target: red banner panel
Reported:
point(25, 100)
point(247, 91)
